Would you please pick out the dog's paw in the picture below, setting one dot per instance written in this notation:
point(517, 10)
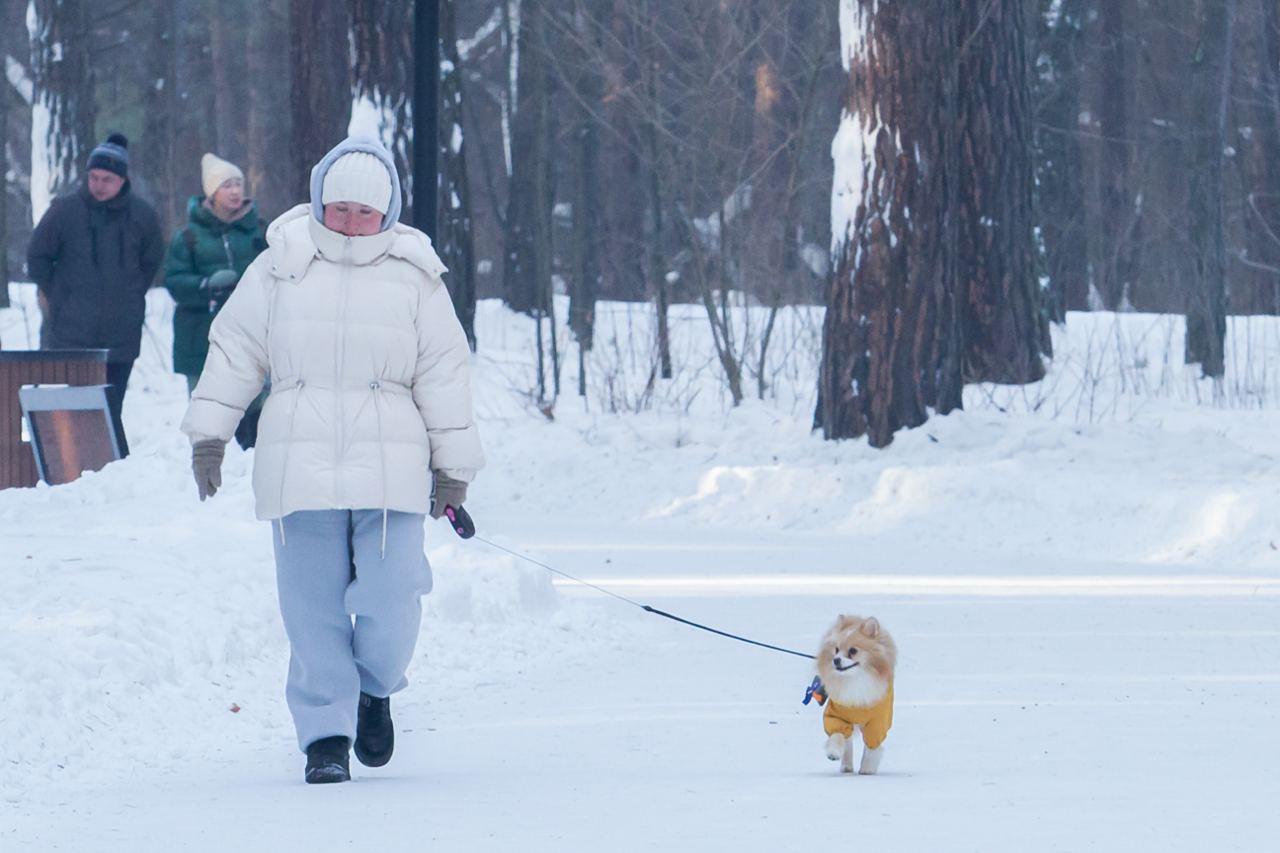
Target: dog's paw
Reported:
point(835, 746)
point(870, 761)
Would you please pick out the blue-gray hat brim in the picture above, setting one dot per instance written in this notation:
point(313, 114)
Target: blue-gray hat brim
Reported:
point(351, 144)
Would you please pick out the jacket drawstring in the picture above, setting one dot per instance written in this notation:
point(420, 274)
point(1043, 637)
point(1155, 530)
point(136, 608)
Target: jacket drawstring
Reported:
point(376, 387)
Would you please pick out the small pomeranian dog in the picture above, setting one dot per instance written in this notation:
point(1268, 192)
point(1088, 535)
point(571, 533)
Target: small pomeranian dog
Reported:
point(855, 665)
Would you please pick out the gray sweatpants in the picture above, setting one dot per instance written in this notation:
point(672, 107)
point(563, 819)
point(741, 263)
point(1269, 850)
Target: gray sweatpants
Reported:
point(331, 659)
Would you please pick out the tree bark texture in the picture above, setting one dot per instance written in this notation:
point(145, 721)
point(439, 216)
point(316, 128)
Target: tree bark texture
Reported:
point(1060, 188)
point(4, 199)
point(62, 67)
point(381, 34)
point(1211, 76)
point(584, 254)
point(1005, 329)
point(18, 95)
point(527, 273)
point(1255, 276)
point(457, 248)
point(159, 144)
point(320, 99)
point(228, 35)
point(269, 129)
point(891, 340)
point(1110, 196)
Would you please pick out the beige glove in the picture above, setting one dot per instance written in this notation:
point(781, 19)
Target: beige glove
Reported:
point(206, 464)
point(447, 492)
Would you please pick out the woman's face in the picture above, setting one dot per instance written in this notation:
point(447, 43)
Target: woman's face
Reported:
point(229, 196)
point(352, 219)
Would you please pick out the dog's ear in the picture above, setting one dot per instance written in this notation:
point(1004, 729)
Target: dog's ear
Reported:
point(871, 627)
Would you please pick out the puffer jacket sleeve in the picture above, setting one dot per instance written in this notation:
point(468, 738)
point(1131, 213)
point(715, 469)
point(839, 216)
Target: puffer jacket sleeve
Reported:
point(181, 276)
point(237, 364)
point(152, 247)
point(442, 386)
point(45, 246)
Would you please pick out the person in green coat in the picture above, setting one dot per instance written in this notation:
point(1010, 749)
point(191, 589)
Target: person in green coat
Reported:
point(206, 258)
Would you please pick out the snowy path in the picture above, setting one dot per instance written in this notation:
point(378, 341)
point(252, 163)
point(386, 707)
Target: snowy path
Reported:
point(1028, 719)
point(1088, 618)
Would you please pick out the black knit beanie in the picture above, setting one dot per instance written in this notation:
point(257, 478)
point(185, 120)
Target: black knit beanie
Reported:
point(112, 155)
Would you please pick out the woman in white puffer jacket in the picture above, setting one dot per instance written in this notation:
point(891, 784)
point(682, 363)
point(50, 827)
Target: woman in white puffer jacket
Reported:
point(370, 406)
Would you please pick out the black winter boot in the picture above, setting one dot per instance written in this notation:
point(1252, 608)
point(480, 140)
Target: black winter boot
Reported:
point(328, 760)
point(375, 735)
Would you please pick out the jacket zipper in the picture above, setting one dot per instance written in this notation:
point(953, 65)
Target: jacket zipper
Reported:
point(340, 356)
point(231, 265)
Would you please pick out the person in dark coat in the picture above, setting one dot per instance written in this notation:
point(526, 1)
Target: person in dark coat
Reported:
point(206, 258)
point(93, 255)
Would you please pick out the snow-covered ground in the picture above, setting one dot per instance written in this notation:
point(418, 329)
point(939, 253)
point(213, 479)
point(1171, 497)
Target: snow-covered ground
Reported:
point(1083, 578)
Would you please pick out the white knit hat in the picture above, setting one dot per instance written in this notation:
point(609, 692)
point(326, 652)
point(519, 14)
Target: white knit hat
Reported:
point(358, 177)
point(214, 172)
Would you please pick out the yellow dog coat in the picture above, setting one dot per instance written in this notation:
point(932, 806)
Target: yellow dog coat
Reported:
point(875, 720)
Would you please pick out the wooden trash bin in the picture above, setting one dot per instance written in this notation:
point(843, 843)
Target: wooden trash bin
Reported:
point(36, 367)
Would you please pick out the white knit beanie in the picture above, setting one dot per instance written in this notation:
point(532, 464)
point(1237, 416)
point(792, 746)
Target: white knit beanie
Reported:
point(214, 172)
point(358, 177)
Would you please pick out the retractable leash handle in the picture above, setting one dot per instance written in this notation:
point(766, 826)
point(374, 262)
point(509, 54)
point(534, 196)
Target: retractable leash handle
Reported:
point(461, 521)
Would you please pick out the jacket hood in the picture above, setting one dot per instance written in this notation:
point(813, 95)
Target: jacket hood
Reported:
point(296, 238)
point(368, 145)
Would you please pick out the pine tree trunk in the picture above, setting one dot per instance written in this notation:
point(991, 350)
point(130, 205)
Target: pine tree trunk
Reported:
point(228, 34)
point(163, 109)
point(1061, 205)
point(62, 67)
point(456, 240)
point(1005, 329)
point(891, 345)
point(320, 99)
point(655, 227)
point(1256, 286)
point(1110, 198)
point(584, 258)
point(269, 174)
point(1211, 76)
point(526, 220)
point(16, 44)
point(656, 268)
point(382, 37)
point(4, 200)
